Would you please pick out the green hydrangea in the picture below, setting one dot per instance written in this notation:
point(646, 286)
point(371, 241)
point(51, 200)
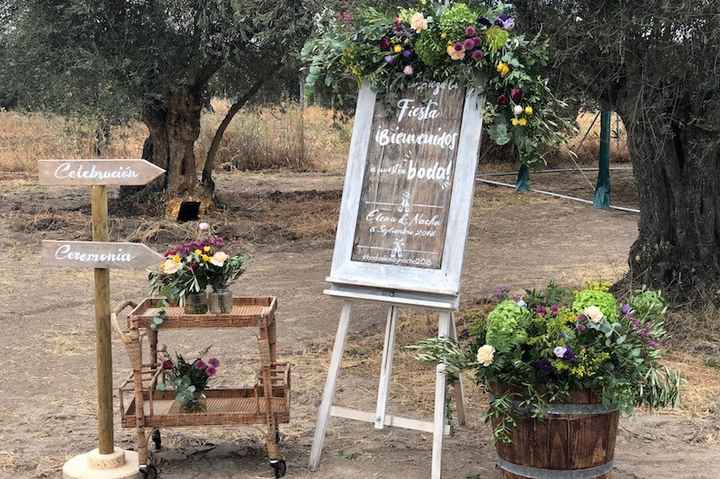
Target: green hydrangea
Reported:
point(454, 20)
point(430, 48)
point(506, 326)
point(593, 297)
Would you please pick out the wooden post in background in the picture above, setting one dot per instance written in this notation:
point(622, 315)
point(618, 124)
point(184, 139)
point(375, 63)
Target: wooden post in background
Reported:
point(103, 348)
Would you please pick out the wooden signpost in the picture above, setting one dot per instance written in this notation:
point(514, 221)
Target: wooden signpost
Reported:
point(401, 235)
point(106, 461)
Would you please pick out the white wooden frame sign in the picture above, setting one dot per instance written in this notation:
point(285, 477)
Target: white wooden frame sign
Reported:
point(417, 163)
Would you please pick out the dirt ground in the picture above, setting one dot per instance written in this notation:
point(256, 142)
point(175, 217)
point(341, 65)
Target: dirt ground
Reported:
point(286, 221)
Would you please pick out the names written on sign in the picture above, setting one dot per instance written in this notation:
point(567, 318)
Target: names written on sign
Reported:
point(406, 191)
point(97, 172)
point(96, 254)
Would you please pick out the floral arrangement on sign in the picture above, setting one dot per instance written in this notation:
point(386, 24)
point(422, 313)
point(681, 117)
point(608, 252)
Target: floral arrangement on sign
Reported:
point(189, 268)
point(471, 46)
point(539, 349)
point(190, 379)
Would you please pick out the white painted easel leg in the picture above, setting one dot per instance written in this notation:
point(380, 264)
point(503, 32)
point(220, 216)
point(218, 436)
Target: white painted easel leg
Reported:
point(329, 391)
point(386, 368)
point(458, 388)
point(439, 418)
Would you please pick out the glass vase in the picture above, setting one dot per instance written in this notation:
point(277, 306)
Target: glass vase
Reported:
point(221, 301)
point(196, 303)
point(192, 402)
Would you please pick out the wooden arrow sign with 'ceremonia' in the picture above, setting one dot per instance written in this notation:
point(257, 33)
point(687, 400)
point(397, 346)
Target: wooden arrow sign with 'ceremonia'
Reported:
point(97, 172)
point(96, 254)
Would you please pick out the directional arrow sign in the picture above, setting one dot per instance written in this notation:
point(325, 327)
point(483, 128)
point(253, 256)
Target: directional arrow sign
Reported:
point(97, 254)
point(97, 172)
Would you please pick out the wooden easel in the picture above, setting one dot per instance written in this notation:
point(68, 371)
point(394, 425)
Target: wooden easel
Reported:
point(380, 418)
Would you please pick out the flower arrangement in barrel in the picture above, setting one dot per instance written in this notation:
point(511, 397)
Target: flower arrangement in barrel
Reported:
point(471, 46)
point(189, 268)
point(551, 343)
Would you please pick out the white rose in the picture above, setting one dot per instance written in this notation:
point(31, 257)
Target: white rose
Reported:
point(518, 110)
point(418, 22)
point(169, 266)
point(218, 259)
point(486, 355)
point(594, 314)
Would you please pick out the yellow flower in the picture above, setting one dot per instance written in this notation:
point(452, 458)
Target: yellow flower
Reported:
point(176, 258)
point(515, 122)
point(529, 110)
point(455, 54)
point(197, 252)
point(503, 69)
point(443, 35)
point(205, 258)
point(397, 48)
point(206, 249)
point(522, 122)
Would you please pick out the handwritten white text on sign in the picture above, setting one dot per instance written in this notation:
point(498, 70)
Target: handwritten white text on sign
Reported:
point(97, 172)
point(96, 254)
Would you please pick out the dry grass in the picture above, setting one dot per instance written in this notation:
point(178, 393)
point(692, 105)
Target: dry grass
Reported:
point(584, 147)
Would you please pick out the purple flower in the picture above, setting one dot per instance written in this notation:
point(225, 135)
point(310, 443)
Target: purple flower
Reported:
point(200, 364)
point(407, 53)
point(167, 364)
point(625, 309)
point(505, 21)
point(554, 309)
point(569, 355)
point(214, 362)
point(540, 310)
point(385, 43)
point(477, 55)
point(501, 292)
point(484, 21)
point(653, 344)
point(210, 371)
point(503, 100)
point(469, 44)
point(390, 59)
point(544, 366)
point(470, 31)
point(516, 94)
point(560, 351)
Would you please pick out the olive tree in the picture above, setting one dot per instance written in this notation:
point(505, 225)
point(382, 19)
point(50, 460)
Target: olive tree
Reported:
point(154, 60)
point(657, 63)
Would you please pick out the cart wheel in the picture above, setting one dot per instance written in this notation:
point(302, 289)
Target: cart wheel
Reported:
point(149, 472)
point(157, 440)
point(279, 467)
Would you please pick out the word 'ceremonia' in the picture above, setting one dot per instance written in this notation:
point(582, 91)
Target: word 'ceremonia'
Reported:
point(68, 170)
point(66, 253)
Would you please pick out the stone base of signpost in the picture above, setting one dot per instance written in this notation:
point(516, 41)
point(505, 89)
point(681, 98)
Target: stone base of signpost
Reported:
point(120, 464)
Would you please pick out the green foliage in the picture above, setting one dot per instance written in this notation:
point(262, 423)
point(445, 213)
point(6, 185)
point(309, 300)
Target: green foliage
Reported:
point(593, 297)
point(506, 326)
point(189, 379)
point(454, 19)
point(544, 353)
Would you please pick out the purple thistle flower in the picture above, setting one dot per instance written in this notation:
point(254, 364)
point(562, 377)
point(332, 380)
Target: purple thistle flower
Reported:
point(540, 310)
point(200, 364)
point(544, 366)
point(470, 31)
point(214, 362)
point(210, 371)
point(469, 44)
point(554, 309)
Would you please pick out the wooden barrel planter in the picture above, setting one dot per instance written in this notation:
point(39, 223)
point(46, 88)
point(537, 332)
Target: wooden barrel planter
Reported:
point(575, 440)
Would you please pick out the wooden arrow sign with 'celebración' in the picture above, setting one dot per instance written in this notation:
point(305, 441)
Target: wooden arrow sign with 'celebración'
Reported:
point(97, 254)
point(97, 172)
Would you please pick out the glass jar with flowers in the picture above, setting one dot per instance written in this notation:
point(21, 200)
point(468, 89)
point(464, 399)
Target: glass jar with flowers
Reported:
point(190, 379)
point(223, 270)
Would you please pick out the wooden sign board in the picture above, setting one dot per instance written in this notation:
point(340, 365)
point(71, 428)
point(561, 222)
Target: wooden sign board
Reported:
point(408, 191)
point(97, 172)
point(97, 254)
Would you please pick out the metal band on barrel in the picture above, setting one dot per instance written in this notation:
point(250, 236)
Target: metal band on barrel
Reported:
point(563, 409)
point(537, 473)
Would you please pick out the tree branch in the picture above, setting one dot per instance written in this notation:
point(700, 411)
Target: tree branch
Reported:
point(215, 145)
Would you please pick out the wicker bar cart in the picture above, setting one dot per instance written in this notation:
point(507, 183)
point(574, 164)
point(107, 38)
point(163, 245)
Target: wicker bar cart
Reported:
point(145, 407)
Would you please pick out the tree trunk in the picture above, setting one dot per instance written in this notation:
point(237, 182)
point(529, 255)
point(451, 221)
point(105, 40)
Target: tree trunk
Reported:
point(677, 171)
point(174, 125)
